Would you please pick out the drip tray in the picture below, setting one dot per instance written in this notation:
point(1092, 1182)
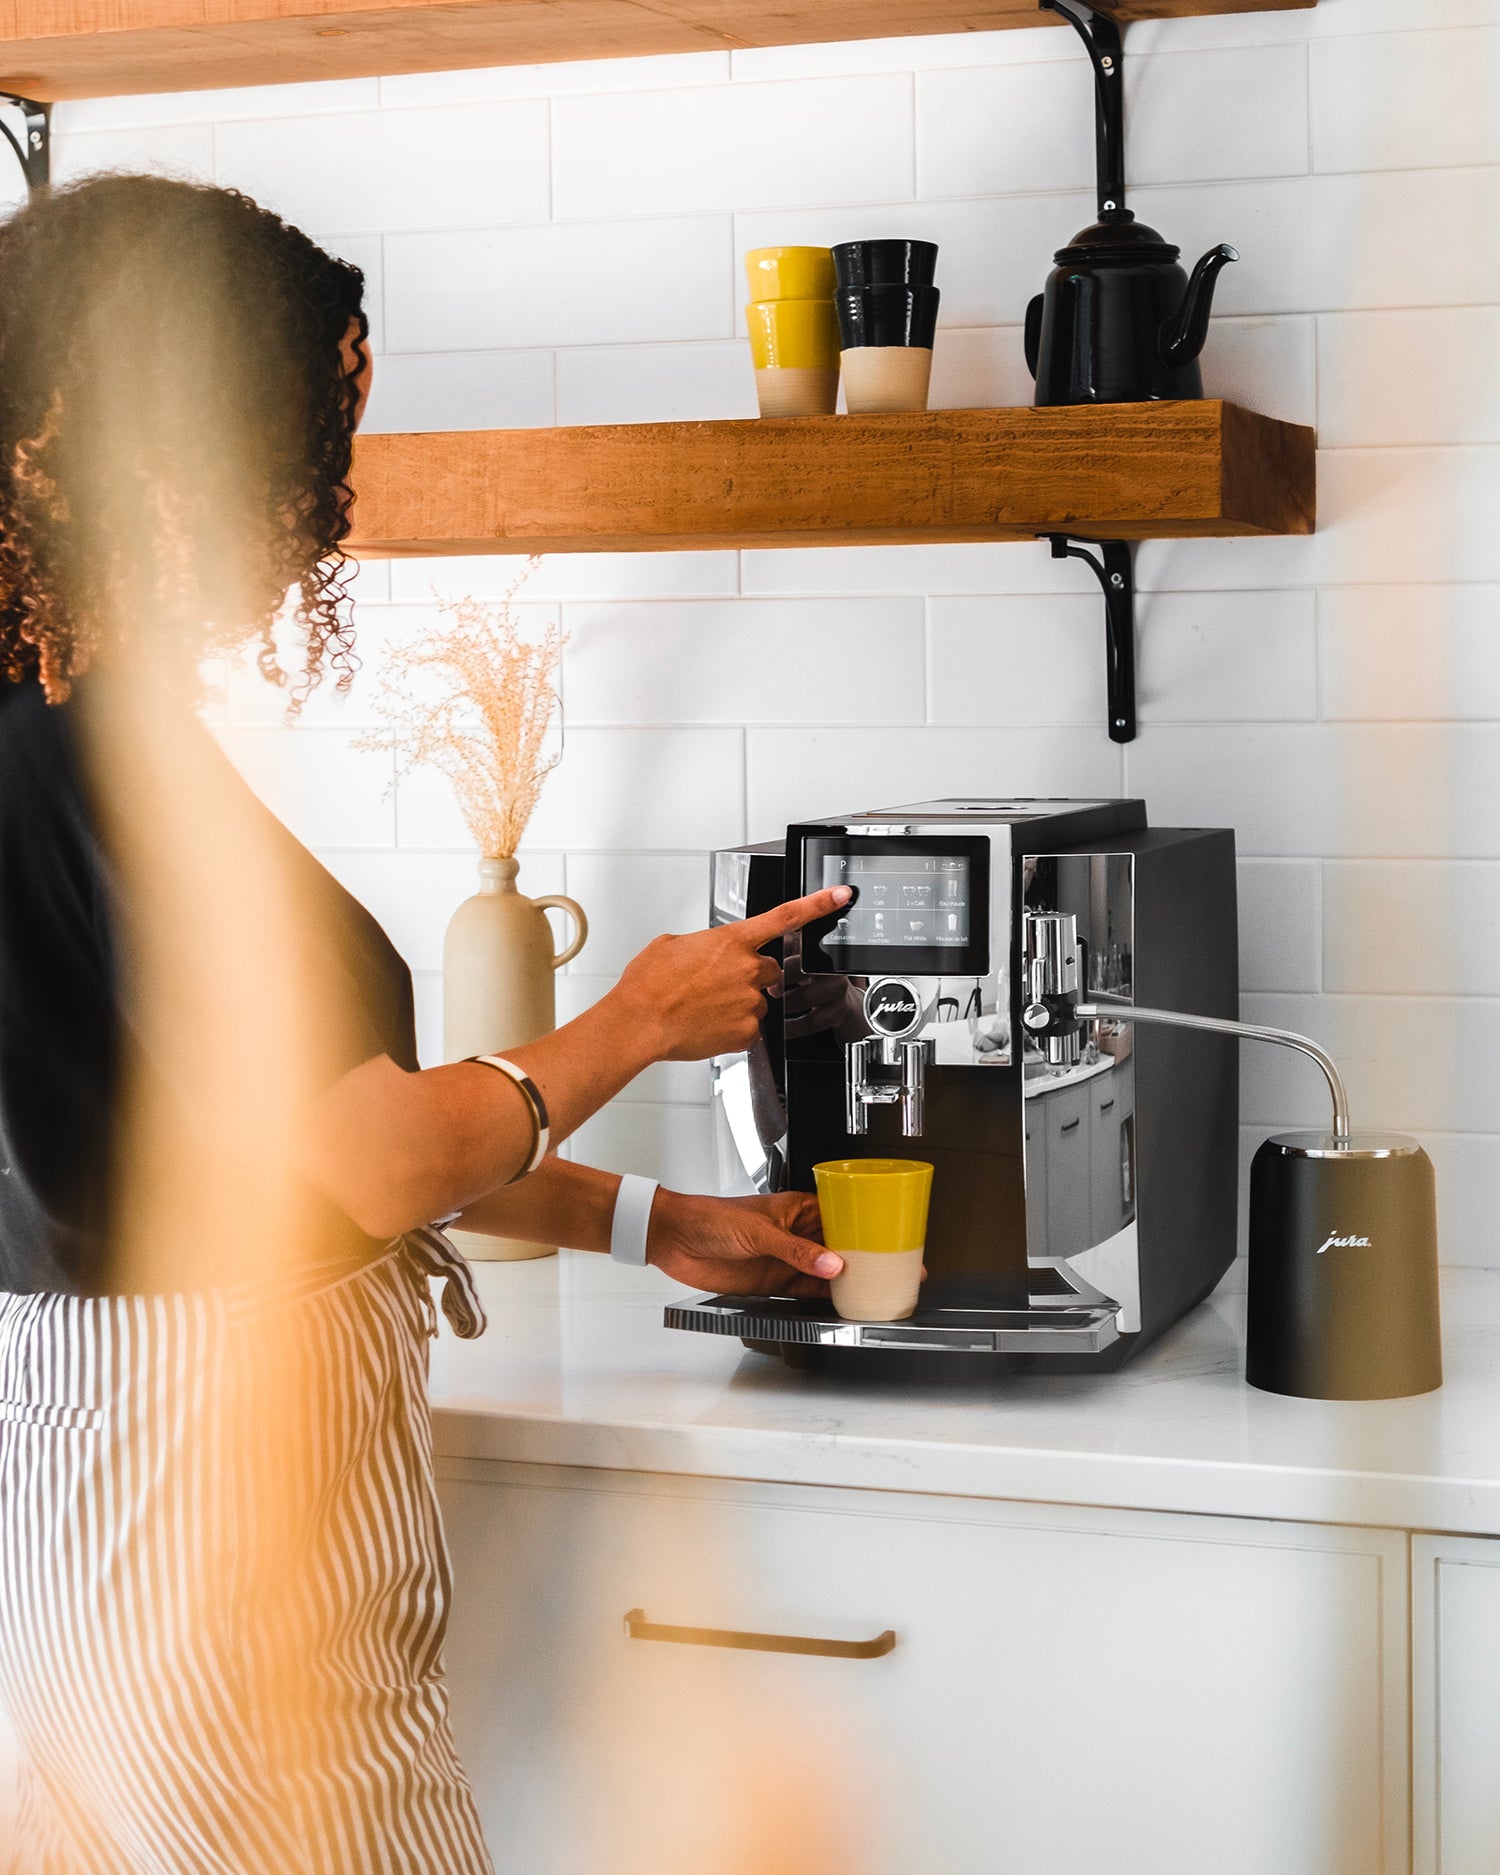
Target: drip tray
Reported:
point(1061, 1321)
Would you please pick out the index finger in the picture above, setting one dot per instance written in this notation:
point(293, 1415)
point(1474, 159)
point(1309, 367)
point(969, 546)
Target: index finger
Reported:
point(794, 914)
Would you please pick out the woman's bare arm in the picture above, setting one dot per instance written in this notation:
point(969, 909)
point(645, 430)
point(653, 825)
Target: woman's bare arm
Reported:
point(744, 1245)
point(395, 1150)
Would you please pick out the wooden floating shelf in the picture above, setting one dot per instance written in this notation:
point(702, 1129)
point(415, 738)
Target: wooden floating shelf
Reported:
point(51, 49)
point(1101, 472)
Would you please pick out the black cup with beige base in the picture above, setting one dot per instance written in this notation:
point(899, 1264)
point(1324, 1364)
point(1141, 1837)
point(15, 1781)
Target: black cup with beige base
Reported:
point(887, 310)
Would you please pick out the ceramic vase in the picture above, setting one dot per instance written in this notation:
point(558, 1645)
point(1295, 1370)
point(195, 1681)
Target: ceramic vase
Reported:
point(499, 962)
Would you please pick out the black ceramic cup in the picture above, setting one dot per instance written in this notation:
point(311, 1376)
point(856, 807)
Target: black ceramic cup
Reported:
point(885, 263)
point(886, 315)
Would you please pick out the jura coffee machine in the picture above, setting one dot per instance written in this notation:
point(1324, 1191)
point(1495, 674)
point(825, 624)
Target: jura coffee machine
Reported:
point(1085, 1183)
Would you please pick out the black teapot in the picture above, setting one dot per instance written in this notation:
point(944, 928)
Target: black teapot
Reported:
point(1119, 321)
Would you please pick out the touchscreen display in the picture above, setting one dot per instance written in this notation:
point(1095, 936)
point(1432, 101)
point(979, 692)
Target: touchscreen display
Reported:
point(919, 899)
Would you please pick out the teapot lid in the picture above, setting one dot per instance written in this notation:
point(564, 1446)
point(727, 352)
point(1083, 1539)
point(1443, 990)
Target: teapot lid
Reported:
point(1116, 235)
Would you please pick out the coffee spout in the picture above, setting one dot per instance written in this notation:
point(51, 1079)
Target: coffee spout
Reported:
point(1182, 335)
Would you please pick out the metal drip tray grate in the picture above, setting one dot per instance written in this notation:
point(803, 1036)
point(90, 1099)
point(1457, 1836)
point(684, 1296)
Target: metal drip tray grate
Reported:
point(1059, 1320)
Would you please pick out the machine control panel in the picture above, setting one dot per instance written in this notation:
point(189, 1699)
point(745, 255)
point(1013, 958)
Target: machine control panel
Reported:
point(921, 903)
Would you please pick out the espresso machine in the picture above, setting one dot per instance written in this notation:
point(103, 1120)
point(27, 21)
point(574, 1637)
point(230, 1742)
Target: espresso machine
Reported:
point(1084, 1195)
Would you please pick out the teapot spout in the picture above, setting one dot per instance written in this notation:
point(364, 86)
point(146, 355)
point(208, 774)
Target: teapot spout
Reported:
point(1182, 335)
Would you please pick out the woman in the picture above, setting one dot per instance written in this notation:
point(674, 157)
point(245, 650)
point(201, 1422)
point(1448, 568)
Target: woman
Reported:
point(222, 1579)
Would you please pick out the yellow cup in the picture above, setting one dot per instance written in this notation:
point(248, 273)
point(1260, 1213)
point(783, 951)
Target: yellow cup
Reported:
point(875, 1217)
point(790, 273)
point(793, 334)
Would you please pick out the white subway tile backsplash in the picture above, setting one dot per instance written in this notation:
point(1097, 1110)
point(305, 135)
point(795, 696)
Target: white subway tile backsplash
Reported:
point(734, 146)
point(974, 367)
point(746, 661)
point(1412, 1064)
point(673, 789)
point(797, 772)
point(1416, 927)
point(1410, 653)
point(427, 993)
point(1270, 365)
point(1382, 790)
point(204, 107)
point(461, 391)
point(655, 383)
point(1408, 376)
point(921, 52)
point(1226, 657)
point(1468, 1196)
point(1014, 660)
point(672, 1144)
point(473, 165)
point(185, 150)
point(1373, 100)
point(1279, 925)
point(1328, 243)
point(568, 576)
point(600, 283)
point(544, 81)
point(1194, 116)
point(630, 898)
point(328, 793)
point(983, 567)
point(991, 130)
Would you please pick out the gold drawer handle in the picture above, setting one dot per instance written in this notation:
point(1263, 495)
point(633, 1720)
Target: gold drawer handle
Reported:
point(640, 1629)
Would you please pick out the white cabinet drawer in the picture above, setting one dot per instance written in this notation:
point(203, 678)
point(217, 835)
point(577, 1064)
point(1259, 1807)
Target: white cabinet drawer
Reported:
point(1069, 1691)
point(1456, 1704)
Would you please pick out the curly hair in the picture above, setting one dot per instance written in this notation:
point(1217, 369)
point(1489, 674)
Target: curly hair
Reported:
point(177, 413)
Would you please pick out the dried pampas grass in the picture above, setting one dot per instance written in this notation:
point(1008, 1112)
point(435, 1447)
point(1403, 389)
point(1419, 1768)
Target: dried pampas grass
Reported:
point(476, 700)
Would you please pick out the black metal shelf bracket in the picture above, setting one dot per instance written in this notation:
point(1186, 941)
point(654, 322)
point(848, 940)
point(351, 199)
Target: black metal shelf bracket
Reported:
point(33, 146)
point(1114, 569)
point(1104, 41)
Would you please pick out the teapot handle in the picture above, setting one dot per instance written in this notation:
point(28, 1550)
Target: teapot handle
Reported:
point(1033, 333)
point(581, 933)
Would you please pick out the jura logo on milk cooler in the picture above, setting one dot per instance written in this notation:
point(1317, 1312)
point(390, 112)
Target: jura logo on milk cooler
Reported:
point(892, 1007)
point(1335, 1242)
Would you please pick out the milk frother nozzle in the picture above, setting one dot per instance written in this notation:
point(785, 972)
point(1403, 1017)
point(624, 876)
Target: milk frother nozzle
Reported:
point(1112, 1011)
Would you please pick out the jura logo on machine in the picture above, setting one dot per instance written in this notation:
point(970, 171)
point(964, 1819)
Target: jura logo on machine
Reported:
point(1335, 1242)
point(892, 1007)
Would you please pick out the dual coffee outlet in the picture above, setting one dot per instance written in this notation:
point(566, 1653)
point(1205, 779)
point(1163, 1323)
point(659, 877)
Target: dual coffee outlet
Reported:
point(863, 309)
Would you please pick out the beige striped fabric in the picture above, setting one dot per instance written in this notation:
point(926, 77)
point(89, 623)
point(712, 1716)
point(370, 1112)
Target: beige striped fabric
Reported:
point(223, 1581)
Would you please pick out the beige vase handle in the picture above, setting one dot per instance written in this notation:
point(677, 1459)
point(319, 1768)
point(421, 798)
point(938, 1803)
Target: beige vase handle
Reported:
point(575, 912)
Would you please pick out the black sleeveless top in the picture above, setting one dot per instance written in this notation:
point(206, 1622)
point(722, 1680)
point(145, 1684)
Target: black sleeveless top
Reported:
point(63, 1045)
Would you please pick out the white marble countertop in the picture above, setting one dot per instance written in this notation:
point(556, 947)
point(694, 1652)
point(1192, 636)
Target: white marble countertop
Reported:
point(576, 1369)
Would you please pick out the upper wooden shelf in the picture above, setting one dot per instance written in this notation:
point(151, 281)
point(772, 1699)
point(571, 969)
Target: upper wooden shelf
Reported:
point(1103, 472)
point(53, 49)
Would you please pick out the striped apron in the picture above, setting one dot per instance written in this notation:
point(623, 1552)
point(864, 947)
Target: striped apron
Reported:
point(223, 1581)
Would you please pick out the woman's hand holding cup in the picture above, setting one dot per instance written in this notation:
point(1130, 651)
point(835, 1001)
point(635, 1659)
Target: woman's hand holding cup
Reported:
point(705, 994)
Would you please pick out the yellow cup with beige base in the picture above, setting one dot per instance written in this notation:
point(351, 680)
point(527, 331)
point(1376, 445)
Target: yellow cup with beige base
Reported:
point(875, 1217)
point(794, 345)
point(794, 332)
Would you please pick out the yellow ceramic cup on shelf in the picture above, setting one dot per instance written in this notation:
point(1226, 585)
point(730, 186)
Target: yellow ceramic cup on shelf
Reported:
point(794, 344)
point(875, 1217)
point(790, 273)
point(794, 334)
